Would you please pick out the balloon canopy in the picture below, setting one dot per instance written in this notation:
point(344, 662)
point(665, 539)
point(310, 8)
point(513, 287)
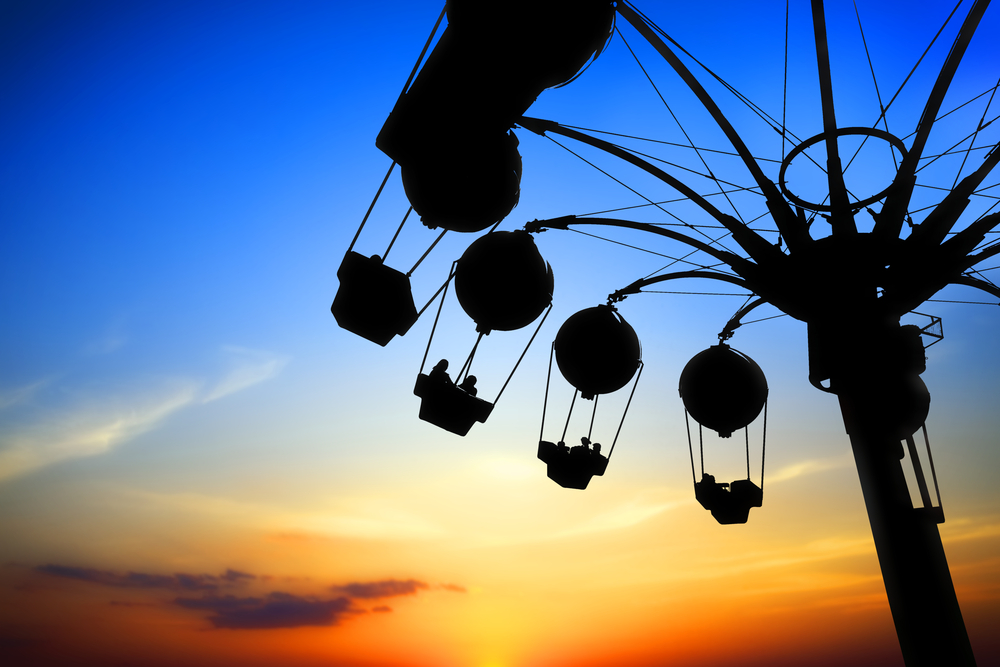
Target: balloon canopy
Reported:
point(597, 351)
point(502, 282)
point(723, 389)
point(466, 185)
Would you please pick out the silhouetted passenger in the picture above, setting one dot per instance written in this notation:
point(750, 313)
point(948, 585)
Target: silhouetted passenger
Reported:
point(440, 372)
point(469, 385)
point(597, 448)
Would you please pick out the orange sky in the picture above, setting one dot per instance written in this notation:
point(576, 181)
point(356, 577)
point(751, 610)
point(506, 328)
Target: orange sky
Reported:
point(197, 467)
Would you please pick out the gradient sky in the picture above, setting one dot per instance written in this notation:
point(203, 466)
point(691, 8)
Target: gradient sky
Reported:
point(198, 467)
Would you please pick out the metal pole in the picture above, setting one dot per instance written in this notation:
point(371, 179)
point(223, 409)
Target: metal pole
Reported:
point(918, 584)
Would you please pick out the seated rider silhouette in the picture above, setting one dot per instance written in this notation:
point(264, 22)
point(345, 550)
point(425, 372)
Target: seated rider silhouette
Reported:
point(440, 372)
point(469, 385)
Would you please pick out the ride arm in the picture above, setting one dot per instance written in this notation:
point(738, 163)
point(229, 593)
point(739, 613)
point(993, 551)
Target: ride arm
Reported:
point(742, 266)
point(635, 287)
point(755, 245)
point(794, 232)
point(926, 272)
point(735, 322)
point(942, 219)
point(969, 281)
point(889, 221)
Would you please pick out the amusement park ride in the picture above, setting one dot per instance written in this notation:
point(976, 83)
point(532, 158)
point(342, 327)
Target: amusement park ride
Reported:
point(469, 180)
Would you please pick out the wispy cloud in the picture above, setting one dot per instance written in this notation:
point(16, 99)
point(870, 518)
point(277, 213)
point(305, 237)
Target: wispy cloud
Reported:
point(269, 610)
point(20, 395)
point(382, 589)
point(176, 582)
point(346, 516)
point(87, 430)
point(247, 367)
point(97, 424)
point(277, 610)
point(114, 338)
point(809, 467)
point(640, 508)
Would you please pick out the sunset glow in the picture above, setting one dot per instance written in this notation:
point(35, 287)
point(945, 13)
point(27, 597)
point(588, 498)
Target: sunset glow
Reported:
point(199, 468)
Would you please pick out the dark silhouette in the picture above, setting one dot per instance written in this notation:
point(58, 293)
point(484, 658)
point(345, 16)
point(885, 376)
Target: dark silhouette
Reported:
point(502, 282)
point(572, 468)
point(723, 389)
point(490, 64)
point(597, 351)
point(848, 285)
point(373, 301)
point(440, 371)
point(729, 503)
point(469, 385)
point(444, 404)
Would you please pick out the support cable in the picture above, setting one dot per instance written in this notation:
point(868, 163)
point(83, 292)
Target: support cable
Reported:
point(545, 401)
point(784, 88)
point(701, 448)
point(673, 144)
point(783, 215)
point(566, 427)
point(710, 176)
point(667, 201)
point(931, 159)
point(988, 91)
point(674, 260)
point(930, 460)
point(424, 256)
point(396, 235)
point(593, 415)
point(917, 64)
point(687, 424)
point(627, 404)
point(420, 58)
point(975, 135)
point(524, 352)
point(763, 447)
point(679, 125)
point(878, 93)
point(370, 207)
point(444, 288)
point(746, 436)
point(763, 115)
point(467, 366)
point(628, 187)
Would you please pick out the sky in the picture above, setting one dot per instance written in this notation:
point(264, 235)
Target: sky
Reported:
point(197, 466)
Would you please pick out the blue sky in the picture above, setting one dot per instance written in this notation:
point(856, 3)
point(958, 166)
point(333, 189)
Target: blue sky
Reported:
point(178, 184)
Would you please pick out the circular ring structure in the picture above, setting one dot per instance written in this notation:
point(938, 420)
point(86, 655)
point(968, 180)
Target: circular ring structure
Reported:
point(839, 132)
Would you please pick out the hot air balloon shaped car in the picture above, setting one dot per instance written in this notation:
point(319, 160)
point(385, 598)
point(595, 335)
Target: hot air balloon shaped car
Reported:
point(597, 352)
point(724, 390)
point(502, 283)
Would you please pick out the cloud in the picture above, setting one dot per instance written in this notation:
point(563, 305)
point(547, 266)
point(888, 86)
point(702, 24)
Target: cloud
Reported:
point(455, 588)
point(20, 395)
point(246, 368)
point(237, 576)
point(808, 467)
point(97, 425)
point(277, 610)
point(642, 507)
point(114, 338)
point(87, 431)
point(382, 589)
point(274, 609)
point(175, 582)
